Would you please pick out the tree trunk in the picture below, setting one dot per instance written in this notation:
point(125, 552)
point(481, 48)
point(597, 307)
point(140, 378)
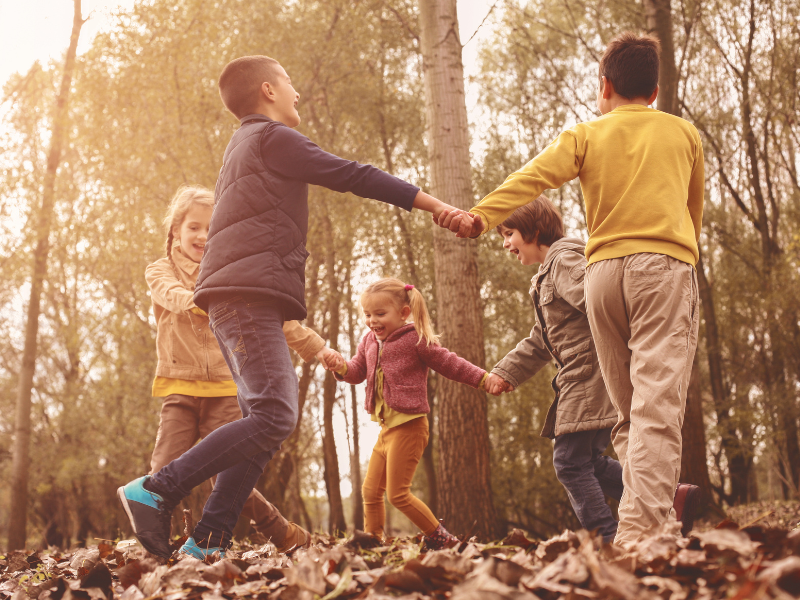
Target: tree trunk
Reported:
point(659, 23)
point(18, 513)
point(465, 492)
point(331, 459)
point(694, 468)
point(738, 466)
point(355, 460)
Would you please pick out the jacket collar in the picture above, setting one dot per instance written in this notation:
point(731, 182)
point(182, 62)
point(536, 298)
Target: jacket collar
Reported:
point(396, 334)
point(254, 118)
point(562, 245)
point(185, 264)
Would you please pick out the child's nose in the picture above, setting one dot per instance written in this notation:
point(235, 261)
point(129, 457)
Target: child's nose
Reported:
point(506, 244)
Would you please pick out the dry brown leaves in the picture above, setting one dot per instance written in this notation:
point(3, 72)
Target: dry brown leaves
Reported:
point(757, 562)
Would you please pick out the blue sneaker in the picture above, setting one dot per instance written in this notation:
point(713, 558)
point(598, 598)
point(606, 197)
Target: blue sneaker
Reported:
point(149, 515)
point(191, 548)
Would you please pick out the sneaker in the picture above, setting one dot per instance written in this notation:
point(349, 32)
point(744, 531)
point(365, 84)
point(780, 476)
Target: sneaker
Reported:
point(441, 538)
point(686, 504)
point(200, 552)
point(149, 515)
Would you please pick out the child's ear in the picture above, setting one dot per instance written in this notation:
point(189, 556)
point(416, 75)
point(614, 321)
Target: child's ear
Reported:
point(608, 88)
point(405, 312)
point(267, 91)
point(653, 97)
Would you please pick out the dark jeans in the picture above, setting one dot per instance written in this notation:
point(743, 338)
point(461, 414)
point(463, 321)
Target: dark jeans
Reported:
point(252, 341)
point(588, 477)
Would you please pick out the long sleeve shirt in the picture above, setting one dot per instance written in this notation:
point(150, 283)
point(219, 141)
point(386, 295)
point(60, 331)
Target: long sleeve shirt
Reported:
point(641, 174)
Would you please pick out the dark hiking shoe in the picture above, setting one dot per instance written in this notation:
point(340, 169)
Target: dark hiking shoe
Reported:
point(149, 515)
point(441, 538)
point(199, 551)
point(686, 504)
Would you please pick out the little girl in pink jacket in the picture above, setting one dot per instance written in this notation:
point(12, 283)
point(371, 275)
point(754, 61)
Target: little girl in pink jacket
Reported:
point(394, 358)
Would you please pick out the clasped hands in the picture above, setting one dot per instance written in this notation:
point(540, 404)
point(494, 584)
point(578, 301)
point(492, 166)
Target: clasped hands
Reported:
point(460, 222)
point(496, 385)
point(330, 359)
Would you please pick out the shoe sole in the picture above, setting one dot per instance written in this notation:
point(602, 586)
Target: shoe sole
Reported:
point(124, 500)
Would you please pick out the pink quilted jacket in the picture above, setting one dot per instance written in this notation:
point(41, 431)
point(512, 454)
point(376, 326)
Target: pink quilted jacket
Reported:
point(405, 366)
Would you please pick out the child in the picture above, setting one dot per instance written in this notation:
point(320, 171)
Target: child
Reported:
point(252, 280)
point(581, 416)
point(641, 173)
point(191, 375)
point(394, 358)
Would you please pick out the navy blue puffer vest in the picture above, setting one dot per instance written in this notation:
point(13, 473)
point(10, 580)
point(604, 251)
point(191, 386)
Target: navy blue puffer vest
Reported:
point(256, 243)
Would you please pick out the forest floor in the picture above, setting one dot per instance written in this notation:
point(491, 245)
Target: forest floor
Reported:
point(753, 555)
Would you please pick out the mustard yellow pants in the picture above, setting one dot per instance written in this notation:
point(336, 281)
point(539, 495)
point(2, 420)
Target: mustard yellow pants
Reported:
point(391, 469)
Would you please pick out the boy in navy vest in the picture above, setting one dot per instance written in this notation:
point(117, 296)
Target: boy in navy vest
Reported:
point(252, 279)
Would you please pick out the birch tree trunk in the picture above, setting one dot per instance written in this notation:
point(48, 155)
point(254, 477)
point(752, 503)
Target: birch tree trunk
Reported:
point(18, 514)
point(465, 491)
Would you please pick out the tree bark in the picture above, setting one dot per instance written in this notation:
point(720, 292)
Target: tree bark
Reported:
point(330, 457)
point(694, 467)
point(18, 513)
point(465, 492)
point(659, 23)
point(355, 459)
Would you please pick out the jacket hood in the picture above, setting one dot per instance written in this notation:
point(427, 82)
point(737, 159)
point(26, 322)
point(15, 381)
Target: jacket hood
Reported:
point(562, 245)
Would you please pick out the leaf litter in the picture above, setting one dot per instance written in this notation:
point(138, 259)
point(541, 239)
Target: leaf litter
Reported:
point(755, 562)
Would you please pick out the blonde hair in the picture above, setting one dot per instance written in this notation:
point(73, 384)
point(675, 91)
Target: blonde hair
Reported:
point(183, 200)
point(405, 295)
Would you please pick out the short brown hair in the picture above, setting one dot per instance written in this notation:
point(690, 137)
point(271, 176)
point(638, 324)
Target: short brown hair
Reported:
point(240, 82)
point(631, 63)
point(538, 221)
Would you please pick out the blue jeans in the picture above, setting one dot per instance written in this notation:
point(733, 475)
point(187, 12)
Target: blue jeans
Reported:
point(588, 477)
point(250, 334)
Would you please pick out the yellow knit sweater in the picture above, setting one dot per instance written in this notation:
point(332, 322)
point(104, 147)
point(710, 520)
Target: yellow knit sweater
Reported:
point(641, 173)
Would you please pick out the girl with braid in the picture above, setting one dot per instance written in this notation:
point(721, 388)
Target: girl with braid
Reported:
point(192, 376)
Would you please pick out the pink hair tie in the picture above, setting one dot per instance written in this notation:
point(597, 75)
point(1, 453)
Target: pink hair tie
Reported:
point(409, 287)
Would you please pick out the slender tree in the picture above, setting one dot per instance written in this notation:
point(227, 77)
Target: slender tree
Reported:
point(465, 491)
point(18, 514)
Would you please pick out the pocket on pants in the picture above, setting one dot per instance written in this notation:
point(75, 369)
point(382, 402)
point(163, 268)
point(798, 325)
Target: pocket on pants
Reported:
point(229, 334)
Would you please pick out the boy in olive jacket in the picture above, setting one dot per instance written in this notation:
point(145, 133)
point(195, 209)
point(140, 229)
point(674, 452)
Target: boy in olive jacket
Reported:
point(581, 417)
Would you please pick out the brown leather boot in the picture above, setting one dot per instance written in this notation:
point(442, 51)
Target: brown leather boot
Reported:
point(686, 503)
point(296, 537)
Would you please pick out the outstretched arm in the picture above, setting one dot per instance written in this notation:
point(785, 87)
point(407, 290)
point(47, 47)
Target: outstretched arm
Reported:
point(355, 370)
point(524, 361)
point(450, 364)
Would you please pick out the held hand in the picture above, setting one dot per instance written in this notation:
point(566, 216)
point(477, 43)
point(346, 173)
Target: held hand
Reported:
point(330, 359)
point(496, 385)
point(463, 224)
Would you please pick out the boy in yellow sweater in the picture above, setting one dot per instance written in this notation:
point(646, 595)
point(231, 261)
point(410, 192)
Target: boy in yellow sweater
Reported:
point(641, 173)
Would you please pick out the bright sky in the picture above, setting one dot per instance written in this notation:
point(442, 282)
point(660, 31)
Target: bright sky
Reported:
point(33, 30)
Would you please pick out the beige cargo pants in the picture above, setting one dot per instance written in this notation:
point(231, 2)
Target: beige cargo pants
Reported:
point(644, 315)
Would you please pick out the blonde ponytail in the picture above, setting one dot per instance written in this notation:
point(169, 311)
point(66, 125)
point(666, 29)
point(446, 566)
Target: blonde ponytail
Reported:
point(422, 319)
point(406, 295)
